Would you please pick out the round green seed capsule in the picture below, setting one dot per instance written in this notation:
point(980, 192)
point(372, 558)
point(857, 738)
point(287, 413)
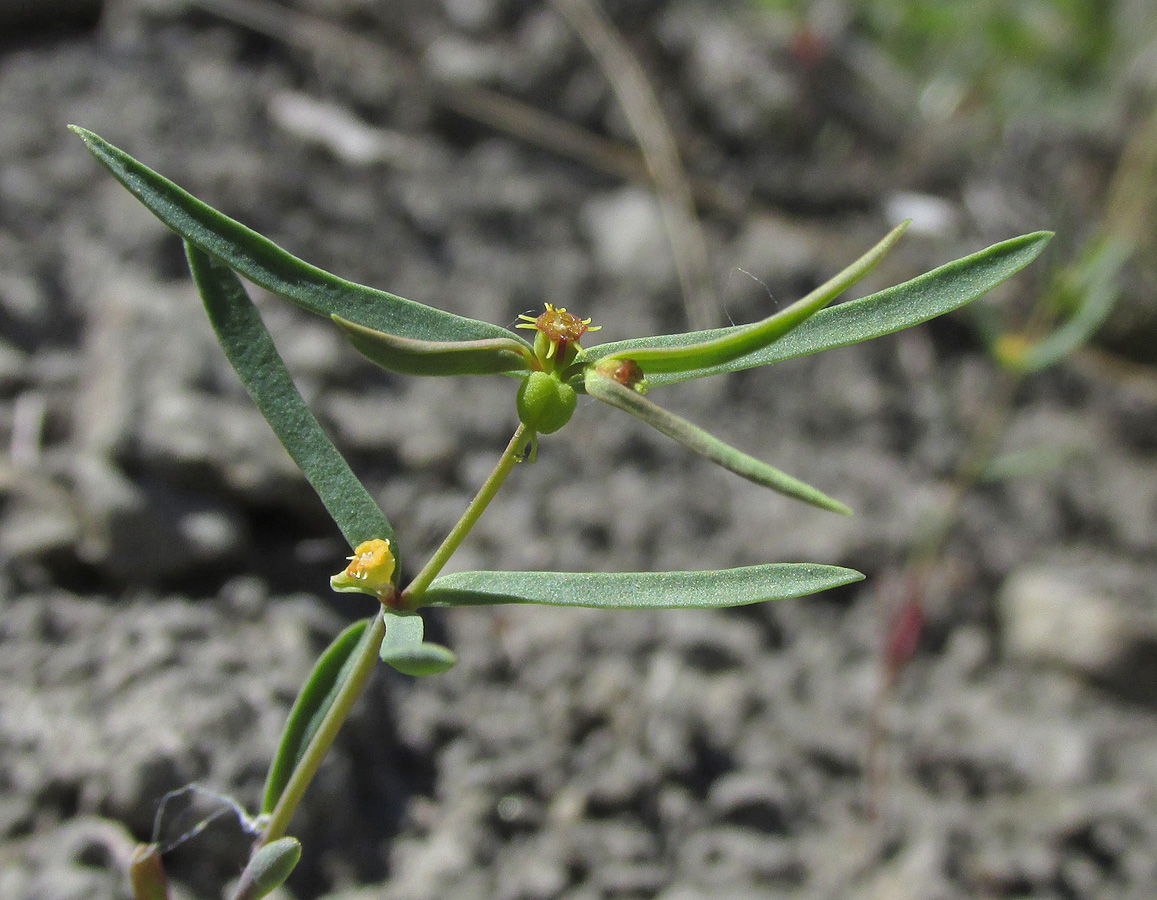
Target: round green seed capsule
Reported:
point(545, 404)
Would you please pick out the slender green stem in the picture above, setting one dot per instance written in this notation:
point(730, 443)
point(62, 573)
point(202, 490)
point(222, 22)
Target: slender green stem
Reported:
point(365, 656)
point(513, 452)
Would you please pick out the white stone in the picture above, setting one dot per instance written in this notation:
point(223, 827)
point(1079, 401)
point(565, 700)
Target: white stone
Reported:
point(1056, 616)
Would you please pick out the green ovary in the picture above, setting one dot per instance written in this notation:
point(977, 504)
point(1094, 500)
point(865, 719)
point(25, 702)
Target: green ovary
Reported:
point(545, 404)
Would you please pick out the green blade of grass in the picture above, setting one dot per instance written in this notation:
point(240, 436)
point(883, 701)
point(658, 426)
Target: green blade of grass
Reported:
point(249, 347)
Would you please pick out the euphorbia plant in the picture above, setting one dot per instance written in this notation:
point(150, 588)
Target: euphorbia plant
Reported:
point(552, 370)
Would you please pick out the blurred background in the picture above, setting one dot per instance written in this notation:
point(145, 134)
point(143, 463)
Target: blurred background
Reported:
point(977, 719)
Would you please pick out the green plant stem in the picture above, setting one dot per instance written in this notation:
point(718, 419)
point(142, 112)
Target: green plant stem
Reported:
point(367, 652)
point(365, 657)
point(513, 452)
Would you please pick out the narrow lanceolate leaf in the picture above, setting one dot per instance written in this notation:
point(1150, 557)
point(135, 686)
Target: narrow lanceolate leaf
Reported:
point(250, 349)
point(332, 671)
point(705, 444)
point(266, 264)
point(925, 297)
point(639, 590)
point(747, 339)
point(404, 649)
point(492, 356)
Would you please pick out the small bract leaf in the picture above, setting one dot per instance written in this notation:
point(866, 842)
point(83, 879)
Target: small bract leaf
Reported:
point(402, 631)
point(744, 339)
point(266, 264)
point(705, 444)
point(639, 590)
point(493, 356)
point(404, 649)
point(925, 297)
point(249, 347)
point(268, 868)
point(423, 659)
point(317, 695)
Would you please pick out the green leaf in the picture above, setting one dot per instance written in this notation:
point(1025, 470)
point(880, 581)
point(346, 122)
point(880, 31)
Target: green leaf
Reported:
point(332, 670)
point(925, 297)
point(404, 649)
point(250, 349)
point(268, 868)
point(706, 444)
point(494, 356)
point(744, 340)
point(639, 590)
point(266, 264)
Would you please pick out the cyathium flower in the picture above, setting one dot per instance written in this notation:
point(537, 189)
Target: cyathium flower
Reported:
point(370, 571)
point(557, 335)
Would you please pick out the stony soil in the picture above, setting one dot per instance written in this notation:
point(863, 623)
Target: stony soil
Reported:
point(165, 568)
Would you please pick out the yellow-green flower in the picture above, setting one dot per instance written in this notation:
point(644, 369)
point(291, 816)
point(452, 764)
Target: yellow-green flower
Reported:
point(371, 570)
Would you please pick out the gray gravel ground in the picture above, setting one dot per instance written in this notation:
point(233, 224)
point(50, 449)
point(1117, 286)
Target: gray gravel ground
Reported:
point(164, 566)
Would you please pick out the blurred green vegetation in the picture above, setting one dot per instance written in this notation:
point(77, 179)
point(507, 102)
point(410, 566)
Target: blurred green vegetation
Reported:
point(1009, 55)
point(1002, 50)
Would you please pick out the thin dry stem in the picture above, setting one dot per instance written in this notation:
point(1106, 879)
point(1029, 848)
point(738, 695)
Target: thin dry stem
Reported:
point(661, 153)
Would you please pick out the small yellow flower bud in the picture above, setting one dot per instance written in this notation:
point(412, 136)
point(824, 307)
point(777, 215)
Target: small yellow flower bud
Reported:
point(371, 570)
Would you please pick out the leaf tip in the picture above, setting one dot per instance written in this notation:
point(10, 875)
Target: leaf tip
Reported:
point(83, 133)
point(1040, 238)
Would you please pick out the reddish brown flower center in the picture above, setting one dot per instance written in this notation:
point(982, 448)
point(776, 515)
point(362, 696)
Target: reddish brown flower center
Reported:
point(559, 325)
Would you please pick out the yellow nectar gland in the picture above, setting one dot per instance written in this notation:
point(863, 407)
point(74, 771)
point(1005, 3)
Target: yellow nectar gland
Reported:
point(559, 327)
point(370, 570)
